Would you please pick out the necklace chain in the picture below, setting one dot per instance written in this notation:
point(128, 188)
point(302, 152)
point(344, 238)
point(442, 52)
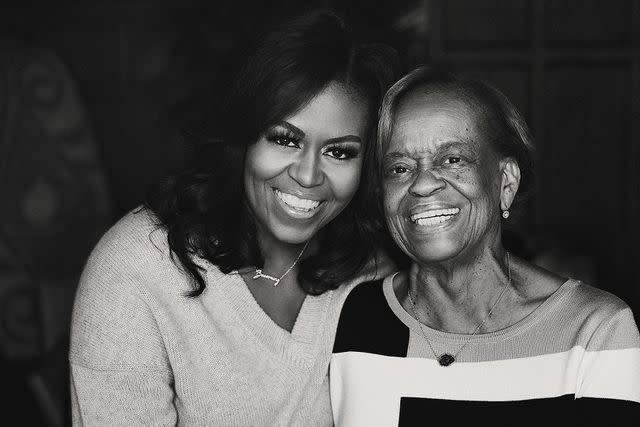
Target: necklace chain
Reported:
point(276, 280)
point(447, 359)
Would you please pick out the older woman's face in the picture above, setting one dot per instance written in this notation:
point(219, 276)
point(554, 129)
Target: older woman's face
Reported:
point(302, 172)
point(441, 179)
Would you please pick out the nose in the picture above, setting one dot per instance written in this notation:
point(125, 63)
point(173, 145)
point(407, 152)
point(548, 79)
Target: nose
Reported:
point(426, 184)
point(306, 170)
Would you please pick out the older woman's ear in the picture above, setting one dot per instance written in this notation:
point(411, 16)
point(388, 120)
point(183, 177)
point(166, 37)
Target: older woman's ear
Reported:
point(510, 181)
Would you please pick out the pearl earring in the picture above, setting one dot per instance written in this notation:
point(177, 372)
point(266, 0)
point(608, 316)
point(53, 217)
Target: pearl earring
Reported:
point(505, 214)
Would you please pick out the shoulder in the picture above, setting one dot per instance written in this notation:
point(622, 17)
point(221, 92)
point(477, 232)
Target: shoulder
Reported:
point(365, 294)
point(378, 267)
point(593, 300)
point(578, 299)
point(368, 324)
point(370, 277)
point(607, 322)
point(364, 306)
point(134, 257)
point(137, 238)
point(134, 249)
point(113, 321)
point(112, 295)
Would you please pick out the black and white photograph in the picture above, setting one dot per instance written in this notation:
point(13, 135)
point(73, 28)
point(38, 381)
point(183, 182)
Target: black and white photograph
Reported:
point(319, 213)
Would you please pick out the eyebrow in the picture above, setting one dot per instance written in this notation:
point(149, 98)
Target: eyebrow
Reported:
point(346, 138)
point(291, 128)
point(300, 134)
point(393, 155)
point(443, 147)
point(470, 144)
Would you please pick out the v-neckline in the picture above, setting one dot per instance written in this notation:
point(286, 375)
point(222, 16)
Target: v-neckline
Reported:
point(257, 287)
point(304, 336)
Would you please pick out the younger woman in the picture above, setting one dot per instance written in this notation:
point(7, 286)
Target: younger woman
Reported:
point(264, 236)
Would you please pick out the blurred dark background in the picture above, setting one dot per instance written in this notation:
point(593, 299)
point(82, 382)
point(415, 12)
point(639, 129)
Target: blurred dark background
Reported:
point(94, 94)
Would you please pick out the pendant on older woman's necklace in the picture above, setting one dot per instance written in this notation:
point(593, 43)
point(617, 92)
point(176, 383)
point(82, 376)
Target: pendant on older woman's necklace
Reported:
point(446, 359)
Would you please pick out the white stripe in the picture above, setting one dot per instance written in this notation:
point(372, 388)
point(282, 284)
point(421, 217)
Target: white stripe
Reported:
point(366, 388)
point(613, 374)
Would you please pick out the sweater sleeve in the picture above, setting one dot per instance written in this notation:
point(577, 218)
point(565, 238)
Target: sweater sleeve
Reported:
point(120, 373)
point(611, 365)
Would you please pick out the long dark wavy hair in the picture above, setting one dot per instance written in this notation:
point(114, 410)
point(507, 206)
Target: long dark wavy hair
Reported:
point(203, 209)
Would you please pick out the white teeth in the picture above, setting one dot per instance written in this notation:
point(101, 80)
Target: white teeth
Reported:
point(434, 216)
point(297, 202)
point(433, 221)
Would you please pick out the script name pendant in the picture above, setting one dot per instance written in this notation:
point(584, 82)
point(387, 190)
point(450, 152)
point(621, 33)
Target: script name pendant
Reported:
point(259, 274)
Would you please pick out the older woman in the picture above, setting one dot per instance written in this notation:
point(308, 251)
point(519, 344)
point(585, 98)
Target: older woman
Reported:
point(217, 302)
point(469, 325)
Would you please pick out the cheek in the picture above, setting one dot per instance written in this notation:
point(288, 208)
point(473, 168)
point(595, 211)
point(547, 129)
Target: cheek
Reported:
point(392, 197)
point(260, 166)
point(485, 189)
point(344, 180)
point(392, 194)
point(463, 175)
point(253, 168)
point(263, 164)
point(470, 183)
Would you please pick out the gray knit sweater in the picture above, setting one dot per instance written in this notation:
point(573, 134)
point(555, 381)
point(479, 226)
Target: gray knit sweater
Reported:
point(144, 354)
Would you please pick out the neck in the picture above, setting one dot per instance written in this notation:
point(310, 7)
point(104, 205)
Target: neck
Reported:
point(456, 295)
point(279, 257)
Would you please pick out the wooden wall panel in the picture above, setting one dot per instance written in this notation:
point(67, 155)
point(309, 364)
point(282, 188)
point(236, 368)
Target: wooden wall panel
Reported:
point(512, 80)
point(501, 23)
point(582, 175)
point(587, 23)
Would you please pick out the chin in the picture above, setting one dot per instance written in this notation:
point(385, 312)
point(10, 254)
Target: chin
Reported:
point(293, 235)
point(434, 251)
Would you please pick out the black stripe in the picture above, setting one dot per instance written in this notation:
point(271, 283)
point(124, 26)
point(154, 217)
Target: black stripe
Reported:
point(561, 411)
point(367, 324)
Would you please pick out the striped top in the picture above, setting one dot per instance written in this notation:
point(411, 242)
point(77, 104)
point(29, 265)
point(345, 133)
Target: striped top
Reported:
point(579, 351)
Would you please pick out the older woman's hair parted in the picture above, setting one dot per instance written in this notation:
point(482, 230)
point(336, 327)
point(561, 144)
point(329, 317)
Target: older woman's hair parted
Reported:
point(509, 133)
point(204, 209)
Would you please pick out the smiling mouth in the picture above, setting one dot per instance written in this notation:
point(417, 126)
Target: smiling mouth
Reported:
point(296, 203)
point(434, 216)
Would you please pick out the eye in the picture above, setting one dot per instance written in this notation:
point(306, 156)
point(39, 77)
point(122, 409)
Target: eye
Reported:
point(284, 140)
point(341, 153)
point(398, 170)
point(451, 160)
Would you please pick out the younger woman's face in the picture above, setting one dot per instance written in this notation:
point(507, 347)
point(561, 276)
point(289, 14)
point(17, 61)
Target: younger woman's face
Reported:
point(302, 172)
